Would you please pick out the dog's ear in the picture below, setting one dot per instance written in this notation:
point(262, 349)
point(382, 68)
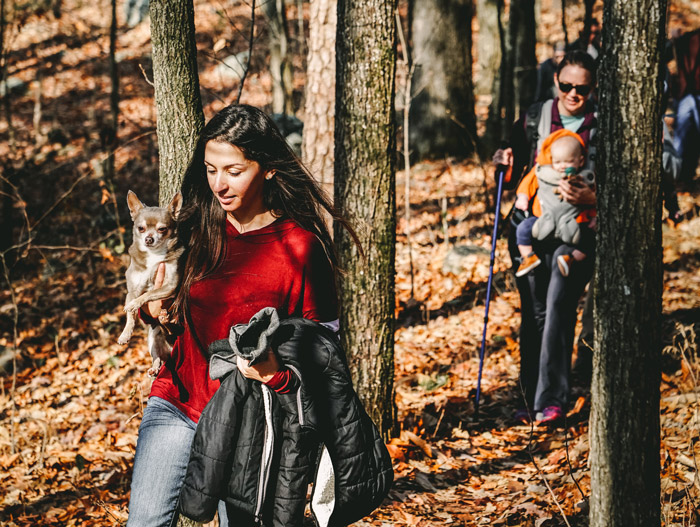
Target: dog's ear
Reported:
point(134, 203)
point(175, 205)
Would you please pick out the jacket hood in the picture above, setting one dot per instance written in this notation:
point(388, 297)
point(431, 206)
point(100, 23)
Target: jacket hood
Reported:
point(545, 155)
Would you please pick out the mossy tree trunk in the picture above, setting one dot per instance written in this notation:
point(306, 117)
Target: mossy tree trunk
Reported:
point(365, 153)
point(180, 118)
point(628, 278)
point(179, 105)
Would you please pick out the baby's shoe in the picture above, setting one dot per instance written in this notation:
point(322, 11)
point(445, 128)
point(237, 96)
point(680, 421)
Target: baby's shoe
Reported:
point(564, 262)
point(528, 264)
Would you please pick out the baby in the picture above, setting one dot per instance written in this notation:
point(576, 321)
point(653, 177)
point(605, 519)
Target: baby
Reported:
point(558, 219)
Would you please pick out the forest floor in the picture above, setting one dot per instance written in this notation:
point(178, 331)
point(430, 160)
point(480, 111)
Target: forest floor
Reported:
point(72, 399)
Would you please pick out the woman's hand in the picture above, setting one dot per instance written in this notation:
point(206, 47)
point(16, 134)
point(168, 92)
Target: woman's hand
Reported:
point(503, 156)
point(262, 371)
point(153, 309)
point(576, 191)
point(521, 202)
point(158, 309)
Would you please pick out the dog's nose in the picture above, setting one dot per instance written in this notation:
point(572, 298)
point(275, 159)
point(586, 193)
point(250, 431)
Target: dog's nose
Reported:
point(149, 240)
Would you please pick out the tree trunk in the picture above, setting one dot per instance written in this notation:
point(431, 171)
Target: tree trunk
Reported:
point(178, 101)
point(365, 153)
point(516, 82)
point(8, 168)
point(180, 118)
point(442, 110)
point(628, 279)
point(488, 45)
point(523, 33)
point(110, 128)
point(587, 22)
point(319, 111)
point(280, 65)
point(500, 118)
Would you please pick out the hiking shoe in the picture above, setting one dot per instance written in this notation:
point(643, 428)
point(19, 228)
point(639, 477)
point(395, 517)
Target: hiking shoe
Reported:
point(551, 414)
point(523, 416)
point(564, 262)
point(528, 264)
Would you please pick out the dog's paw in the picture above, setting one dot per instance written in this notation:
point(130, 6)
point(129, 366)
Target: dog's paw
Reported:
point(155, 368)
point(131, 307)
point(123, 338)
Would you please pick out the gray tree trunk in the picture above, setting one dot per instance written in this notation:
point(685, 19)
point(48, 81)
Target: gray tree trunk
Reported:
point(280, 65)
point(180, 118)
point(442, 110)
point(319, 111)
point(365, 153)
point(488, 48)
point(624, 430)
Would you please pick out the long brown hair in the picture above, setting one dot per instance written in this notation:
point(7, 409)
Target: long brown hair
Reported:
point(292, 193)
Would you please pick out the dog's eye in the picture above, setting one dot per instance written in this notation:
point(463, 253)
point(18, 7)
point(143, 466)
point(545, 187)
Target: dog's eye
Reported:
point(162, 230)
point(142, 229)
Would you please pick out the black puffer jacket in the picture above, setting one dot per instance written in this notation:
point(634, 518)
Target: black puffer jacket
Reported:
point(258, 450)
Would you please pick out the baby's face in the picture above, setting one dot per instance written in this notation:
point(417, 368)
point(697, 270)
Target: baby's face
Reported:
point(561, 162)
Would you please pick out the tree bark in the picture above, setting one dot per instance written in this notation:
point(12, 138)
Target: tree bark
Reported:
point(523, 34)
point(280, 65)
point(516, 82)
point(319, 111)
point(500, 118)
point(8, 164)
point(442, 110)
point(488, 45)
point(180, 118)
point(178, 101)
point(628, 279)
point(587, 22)
point(365, 153)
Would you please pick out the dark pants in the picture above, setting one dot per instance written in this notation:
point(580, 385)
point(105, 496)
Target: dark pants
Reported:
point(548, 309)
point(687, 135)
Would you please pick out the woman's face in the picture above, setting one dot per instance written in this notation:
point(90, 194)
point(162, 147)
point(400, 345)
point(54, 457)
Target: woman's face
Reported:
point(573, 78)
point(236, 182)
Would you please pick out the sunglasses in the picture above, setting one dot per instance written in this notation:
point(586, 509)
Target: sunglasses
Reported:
point(581, 89)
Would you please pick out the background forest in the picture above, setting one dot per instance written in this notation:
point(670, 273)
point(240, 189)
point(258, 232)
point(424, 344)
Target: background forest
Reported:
point(78, 130)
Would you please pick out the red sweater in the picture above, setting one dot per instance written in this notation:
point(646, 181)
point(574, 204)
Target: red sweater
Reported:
point(281, 266)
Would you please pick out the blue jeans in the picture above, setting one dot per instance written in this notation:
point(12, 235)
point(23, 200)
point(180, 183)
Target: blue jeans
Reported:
point(523, 234)
point(162, 454)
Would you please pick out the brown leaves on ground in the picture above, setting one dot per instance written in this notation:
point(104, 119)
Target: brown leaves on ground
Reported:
point(69, 415)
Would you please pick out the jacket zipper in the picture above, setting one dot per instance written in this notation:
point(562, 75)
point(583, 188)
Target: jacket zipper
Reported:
point(266, 460)
point(299, 408)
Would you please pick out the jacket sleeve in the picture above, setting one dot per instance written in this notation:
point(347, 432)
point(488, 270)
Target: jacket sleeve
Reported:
point(212, 451)
point(293, 343)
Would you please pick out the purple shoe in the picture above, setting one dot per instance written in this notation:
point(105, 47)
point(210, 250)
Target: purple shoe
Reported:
point(523, 416)
point(551, 414)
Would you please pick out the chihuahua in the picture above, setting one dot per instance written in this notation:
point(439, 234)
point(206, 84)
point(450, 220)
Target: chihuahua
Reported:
point(155, 242)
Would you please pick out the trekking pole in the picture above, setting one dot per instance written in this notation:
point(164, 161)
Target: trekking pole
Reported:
point(500, 171)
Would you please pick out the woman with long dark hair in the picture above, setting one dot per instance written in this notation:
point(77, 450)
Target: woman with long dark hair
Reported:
point(254, 228)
